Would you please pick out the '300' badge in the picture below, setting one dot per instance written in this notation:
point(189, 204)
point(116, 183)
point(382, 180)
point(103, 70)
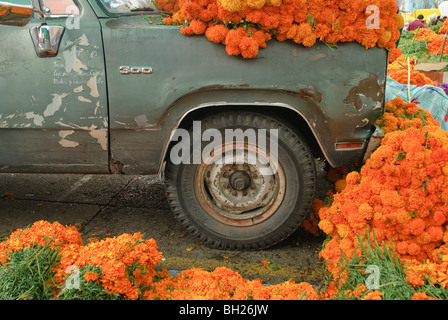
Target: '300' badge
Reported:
point(135, 70)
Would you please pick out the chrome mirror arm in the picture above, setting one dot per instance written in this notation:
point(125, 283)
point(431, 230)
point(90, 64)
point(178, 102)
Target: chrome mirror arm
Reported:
point(44, 20)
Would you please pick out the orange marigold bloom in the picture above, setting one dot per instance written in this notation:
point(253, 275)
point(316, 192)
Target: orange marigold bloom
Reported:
point(353, 178)
point(249, 47)
point(422, 296)
point(168, 20)
point(256, 4)
point(260, 37)
point(191, 10)
point(413, 249)
point(255, 16)
point(210, 13)
point(394, 54)
point(435, 233)
point(373, 295)
point(274, 3)
point(416, 226)
point(399, 20)
point(216, 33)
point(340, 185)
point(233, 39)
point(343, 230)
point(91, 276)
point(198, 26)
point(233, 5)
point(326, 226)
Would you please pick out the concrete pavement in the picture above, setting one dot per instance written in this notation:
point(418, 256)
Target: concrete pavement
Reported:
point(108, 205)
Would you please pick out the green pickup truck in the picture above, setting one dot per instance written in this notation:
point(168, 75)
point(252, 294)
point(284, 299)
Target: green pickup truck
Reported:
point(97, 86)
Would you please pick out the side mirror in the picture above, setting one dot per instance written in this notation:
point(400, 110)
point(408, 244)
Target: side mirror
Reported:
point(15, 14)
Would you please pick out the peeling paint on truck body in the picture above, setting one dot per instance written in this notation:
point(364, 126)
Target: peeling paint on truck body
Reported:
point(53, 109)
point(77, 112)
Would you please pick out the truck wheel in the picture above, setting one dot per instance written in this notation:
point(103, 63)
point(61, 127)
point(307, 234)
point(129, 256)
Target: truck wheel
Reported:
point(244, 202)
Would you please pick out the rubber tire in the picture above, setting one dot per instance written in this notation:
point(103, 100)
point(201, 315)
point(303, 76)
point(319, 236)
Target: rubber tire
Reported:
point(298, 164)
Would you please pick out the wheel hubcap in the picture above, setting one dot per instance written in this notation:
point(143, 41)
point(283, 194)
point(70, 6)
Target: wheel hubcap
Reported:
point(240, 180)
point(239, 193)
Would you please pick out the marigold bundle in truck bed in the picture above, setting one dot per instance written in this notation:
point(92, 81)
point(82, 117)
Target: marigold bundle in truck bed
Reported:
point(119, 89)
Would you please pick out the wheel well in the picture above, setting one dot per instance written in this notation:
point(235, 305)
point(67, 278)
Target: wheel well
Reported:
point(291, 118)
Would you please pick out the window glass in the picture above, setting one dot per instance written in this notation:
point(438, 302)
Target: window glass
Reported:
point(59, 7)
point(127, 6)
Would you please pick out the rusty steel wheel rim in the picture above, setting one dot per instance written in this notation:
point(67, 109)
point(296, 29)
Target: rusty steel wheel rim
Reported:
point(239, 193)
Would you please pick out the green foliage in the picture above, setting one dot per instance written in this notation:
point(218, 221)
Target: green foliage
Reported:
point(413, 47)
point(418, 49)
point(92, 290)
point(436, 27)
point(392, 281)
point(28, 274)
point(391, 275)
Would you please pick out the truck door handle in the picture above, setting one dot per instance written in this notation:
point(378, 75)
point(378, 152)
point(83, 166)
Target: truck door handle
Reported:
point(46, 39)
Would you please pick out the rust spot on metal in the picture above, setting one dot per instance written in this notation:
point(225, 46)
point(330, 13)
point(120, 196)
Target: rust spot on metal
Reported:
point(368, 88)
point(212, 87)
point(117, 24)
point(311, 93)
point(220, 86)
point(318, 56)
point(116, 166)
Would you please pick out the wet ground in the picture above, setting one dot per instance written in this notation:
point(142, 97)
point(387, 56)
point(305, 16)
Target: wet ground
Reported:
point(108, 205)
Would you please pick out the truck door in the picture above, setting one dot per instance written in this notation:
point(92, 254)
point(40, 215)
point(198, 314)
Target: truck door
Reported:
point(53, 107)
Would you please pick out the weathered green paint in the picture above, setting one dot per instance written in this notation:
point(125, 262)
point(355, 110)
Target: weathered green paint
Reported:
point(339, 92)
point(191, 71)
point(54, 113)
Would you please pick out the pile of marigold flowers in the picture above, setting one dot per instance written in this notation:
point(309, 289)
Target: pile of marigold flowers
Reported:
point(244, 26)
point(398, 70)
point(119, 267)
point(113, 268)
point(434, 40)
point(399, 198)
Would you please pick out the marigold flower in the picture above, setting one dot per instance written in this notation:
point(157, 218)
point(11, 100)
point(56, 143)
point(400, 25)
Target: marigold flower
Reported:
point(233, 5)
point(340, 185)
point(326, 226)
point(422, 296)
point(274, 3)
point(256, 4)
point(249, 47)
point(216, 33)
point(195, 27)
point(191, 10)
point(91, 276)
point(373, 295)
